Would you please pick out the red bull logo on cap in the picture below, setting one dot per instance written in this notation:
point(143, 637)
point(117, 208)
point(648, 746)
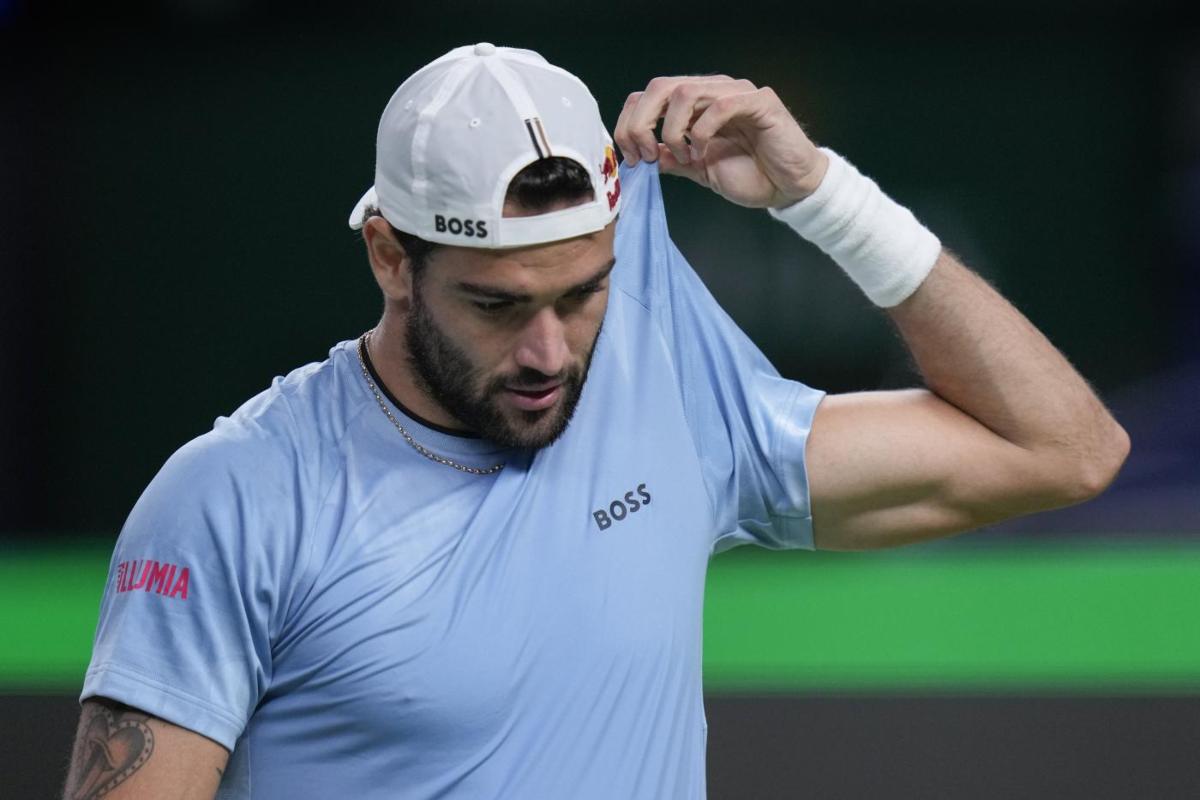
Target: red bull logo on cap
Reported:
point(608, 171)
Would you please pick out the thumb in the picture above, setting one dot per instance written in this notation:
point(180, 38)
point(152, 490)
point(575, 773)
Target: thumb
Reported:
point(670, 165)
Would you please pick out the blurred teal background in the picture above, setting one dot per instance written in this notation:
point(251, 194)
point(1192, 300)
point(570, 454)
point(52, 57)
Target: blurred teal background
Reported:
point(174, 182)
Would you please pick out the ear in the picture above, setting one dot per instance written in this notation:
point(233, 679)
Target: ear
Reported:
point(389, 262)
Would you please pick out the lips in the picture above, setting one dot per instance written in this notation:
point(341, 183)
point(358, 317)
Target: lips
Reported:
point(534, 399)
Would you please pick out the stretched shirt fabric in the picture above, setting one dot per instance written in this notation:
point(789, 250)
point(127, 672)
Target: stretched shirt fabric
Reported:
point(351, 619)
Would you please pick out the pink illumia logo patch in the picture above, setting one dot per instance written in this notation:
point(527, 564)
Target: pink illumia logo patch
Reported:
point(146, 575)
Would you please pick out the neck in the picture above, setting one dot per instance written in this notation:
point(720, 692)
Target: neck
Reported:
point(388, 349)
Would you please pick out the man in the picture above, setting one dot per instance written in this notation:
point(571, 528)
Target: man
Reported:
point(435, 565)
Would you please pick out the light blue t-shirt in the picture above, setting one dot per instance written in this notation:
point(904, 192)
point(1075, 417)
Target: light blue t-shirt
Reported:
point(354, 620)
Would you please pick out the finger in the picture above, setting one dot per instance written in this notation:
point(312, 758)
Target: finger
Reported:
point(629, 151)
point(687, 101)
point(755, 106)
point(644, 117)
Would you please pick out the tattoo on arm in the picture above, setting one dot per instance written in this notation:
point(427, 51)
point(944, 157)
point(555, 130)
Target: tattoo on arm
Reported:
point(113, 743)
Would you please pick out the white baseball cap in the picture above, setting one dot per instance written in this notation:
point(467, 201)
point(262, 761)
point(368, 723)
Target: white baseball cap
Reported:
point(456, 132)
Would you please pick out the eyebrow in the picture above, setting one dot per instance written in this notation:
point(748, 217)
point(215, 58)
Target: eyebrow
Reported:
point(493, 293)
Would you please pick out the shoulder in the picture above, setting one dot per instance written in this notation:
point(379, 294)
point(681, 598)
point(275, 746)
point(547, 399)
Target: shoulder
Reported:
point(271, 454)
point(310, 407)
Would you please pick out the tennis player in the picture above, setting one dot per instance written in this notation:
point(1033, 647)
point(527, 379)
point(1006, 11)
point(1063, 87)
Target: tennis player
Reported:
point(464, 556)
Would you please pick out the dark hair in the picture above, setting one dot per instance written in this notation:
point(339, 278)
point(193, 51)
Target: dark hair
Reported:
point(548, 182)
point(538, 187)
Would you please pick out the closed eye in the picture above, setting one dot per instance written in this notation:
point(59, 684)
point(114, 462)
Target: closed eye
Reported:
point(589, 289)
point(490, 300)
point(492, 306)
point(576, 294)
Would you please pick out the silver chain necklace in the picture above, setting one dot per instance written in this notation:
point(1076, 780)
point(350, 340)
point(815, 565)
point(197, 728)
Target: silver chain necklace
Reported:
point(420, 448)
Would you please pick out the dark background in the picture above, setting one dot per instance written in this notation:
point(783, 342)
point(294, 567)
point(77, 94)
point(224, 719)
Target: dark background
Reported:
point(177, 176)
point(175, 179)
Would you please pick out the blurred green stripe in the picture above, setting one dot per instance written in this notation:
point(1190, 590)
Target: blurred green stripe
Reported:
point(49, 600)
point(1035, 617)
point(1024, 618)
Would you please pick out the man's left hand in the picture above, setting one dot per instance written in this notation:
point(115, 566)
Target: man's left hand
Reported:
point(726, 134)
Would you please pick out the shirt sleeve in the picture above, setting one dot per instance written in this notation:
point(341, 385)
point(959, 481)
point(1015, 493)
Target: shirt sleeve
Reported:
point(193, 589)
point(750, 426)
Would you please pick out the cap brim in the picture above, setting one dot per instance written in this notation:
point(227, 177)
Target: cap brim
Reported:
point(358, 215)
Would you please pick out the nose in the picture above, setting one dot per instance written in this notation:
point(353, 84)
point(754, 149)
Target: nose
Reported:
point(543, 343)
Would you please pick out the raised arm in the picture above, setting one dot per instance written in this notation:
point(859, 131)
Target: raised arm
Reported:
point(121, 753)
point(1006, 425)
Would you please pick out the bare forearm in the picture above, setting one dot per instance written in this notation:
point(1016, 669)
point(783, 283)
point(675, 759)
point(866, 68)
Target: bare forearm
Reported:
point(981, 355)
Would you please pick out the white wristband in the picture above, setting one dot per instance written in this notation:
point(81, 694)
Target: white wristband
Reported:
point(877, 241)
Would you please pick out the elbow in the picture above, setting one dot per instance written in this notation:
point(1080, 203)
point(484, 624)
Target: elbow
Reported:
point(1106, 463)
point(1094, 470)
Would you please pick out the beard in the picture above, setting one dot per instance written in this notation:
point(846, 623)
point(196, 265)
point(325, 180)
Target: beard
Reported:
point(446, 373)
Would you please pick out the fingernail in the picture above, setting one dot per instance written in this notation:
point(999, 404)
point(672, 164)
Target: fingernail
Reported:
point(693, 152)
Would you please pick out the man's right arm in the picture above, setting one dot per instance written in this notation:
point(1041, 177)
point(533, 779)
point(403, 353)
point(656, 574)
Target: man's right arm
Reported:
point(122, 753)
